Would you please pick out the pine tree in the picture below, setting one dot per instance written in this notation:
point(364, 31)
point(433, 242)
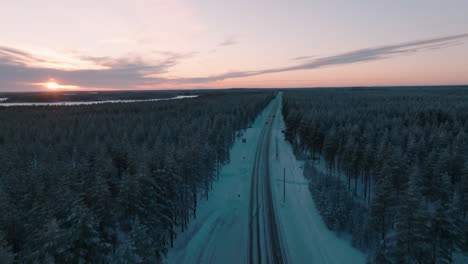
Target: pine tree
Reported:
point(128, 198)
point(380, 255)
point(144, 244)
point(428, 182)
point(464, 237)
point(329, 149)
point(446, 232)
point(442, 179)
point(463, 194)
point(49, 241)
point(126, 253)
point(6, 255)
point(82, 243)
point(381, 209)
point(412, 233)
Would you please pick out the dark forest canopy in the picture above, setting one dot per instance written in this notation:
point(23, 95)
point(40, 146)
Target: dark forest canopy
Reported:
point(396, 166)
point(110, 183)
point(71, 96)
point(103, 95)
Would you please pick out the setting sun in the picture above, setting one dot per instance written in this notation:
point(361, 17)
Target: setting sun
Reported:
point(52, 85)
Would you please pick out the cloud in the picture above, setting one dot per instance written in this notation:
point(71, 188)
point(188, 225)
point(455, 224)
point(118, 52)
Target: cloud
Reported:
point(18, 71)
point(362, 55)
point(19, 68)
point(17, 57)
point(228, 42)
point(303, 58)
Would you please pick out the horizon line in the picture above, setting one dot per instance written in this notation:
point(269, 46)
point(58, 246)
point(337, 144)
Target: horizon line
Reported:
point(235, 88)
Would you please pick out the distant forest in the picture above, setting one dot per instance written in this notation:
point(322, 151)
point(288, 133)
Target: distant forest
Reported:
point(396, 167)
point(111, 183)
point(71, 96)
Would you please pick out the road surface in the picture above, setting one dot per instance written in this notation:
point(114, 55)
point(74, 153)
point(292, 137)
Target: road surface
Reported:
point(264, 238)
point(246, 219)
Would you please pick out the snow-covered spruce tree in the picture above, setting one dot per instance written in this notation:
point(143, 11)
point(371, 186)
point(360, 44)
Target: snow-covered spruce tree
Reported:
point(128, 198)
point(358, 224)
point(329, 149)
point(169, 182)
point(411, 240)
point(48, 242)
point(443, 188)
point(382, 207)
point(429, 177)
point(8, 214)
point(126, 253)
point(81, 242)
point(444, 228)
point(462, 208)
point(368, 160)
point(145, 246)
point(6, 255)
point(103, 207)
point(379, 255)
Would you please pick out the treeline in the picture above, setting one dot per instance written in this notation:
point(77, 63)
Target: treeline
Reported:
point(402, 153)
point(73, 96)
point(111, 183)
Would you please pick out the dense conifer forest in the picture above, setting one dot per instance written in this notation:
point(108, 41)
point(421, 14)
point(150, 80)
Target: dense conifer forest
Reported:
point(71, 96)
point(111, 183)
point(396, 167)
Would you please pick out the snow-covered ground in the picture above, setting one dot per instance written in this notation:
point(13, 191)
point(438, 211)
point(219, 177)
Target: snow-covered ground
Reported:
point(304, 234)
point(219, 234)
point(93, 102)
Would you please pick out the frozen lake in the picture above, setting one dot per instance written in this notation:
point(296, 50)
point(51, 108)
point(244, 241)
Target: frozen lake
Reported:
point(93, 102)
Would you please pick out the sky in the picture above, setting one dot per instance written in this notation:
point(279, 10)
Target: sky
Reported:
point(190, 44)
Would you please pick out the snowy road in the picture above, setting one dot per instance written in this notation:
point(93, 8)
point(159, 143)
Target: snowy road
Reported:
point(264, 240)
point(246, 220)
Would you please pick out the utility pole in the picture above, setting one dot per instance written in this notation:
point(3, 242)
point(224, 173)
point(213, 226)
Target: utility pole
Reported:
point(284, 184)
point(276, 147)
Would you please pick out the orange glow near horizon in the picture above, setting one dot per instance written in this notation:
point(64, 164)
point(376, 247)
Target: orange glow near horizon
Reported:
point(51, 85)
point(54, 85)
